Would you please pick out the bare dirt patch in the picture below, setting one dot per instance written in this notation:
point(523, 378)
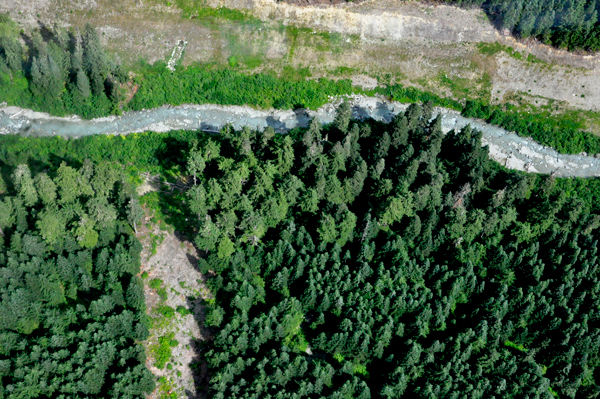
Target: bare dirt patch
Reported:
point(391, 19)
point(178, 314)
point(579, 89)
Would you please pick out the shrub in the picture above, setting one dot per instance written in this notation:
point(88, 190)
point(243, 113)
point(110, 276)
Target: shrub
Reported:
point(155, 283)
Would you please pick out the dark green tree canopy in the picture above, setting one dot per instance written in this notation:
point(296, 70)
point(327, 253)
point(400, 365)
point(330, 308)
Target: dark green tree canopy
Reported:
point(65, 330)
point(393, 261)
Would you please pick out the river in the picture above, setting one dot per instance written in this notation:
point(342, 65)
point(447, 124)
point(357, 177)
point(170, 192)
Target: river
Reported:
point(505, 147)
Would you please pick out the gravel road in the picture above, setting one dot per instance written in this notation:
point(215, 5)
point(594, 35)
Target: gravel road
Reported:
point(505, 147)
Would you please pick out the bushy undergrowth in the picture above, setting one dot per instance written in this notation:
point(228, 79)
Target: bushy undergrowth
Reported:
point(204, 84)
point(562, 133)
point(156, 153)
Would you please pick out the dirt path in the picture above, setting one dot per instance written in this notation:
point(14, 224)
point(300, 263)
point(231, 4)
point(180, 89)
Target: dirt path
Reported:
point(177, 312)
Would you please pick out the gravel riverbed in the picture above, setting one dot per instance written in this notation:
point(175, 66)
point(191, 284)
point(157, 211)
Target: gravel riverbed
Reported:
point(505, 147)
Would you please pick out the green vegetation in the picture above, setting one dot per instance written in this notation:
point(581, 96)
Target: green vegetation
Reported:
point(322, 232)
point(368, 260)
point(562, 133)
point(182, 310)
point(357, 260)
point(197, 9)
point(400, 93)
point(495, 47)
point(166, 311)
point(157, 284)
point(72, 310)
point(518, 347)
point(202, 84)
point(162, 351)
point(218, 13)
point(147, 152)
point(166, 389)
point(62, 73)
point(571, 24)
point(565, 133)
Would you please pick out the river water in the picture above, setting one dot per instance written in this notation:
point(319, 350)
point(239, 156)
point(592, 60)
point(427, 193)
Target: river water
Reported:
point(507, 148)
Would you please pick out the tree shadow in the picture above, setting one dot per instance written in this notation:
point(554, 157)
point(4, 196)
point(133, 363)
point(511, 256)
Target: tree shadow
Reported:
point(48, 36)
point(276, 124)
point(301, 120)
point(193, 260)
point(199, 364)
point(488, 10)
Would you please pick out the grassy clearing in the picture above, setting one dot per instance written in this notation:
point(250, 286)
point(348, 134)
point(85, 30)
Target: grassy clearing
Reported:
point(495, 48)
point(491, 49)
point(465, 88)
point(197, 9)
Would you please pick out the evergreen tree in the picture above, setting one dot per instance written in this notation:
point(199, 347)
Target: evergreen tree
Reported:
point(196, 163)
point(94, 60)
point(62, 312)
point(24, 185)
point(343, 116)
point(3, 187)
point(135, 213)
point(83, 84)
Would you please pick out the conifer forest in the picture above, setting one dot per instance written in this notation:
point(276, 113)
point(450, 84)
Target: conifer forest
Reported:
point(384, 261)
point(571, 24)
point(353, 260)
point(357, 259)
point(72, 305)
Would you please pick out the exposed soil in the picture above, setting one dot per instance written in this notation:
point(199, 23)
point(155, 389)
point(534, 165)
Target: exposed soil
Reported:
point(306, 3)
point(174, 261)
